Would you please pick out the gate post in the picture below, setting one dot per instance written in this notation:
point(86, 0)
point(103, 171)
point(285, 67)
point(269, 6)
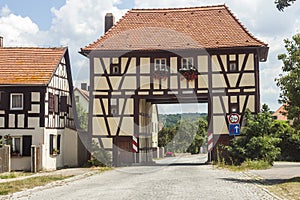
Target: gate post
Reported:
point(33, 159)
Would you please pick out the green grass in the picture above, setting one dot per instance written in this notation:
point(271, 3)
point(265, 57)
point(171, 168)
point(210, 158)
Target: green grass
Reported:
point(289, 189)
point(10, 175)
point(16, 186)
point(247, 165)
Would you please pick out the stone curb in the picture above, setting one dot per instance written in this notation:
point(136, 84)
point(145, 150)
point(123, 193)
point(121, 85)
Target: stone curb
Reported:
point(259, 182)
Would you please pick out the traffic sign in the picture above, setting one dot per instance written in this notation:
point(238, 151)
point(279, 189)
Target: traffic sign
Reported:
point(234, 129)
point(234, 118)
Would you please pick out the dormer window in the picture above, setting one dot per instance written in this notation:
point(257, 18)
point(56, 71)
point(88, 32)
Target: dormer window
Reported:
point(16, 101)
point(160, 64)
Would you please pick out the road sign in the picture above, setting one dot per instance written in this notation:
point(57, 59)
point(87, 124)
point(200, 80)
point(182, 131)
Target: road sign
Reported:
point(234, 118)
point(234, 129)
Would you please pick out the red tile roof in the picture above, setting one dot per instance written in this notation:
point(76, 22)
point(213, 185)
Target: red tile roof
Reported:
point(28, 66)
point(179, 28)
point(279, 113)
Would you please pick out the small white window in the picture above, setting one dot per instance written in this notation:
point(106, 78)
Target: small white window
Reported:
point(160, 64)
point(232, 66)
point(16, 145)
point(115, 70)
point(113, 107)
point(187, 63)
point(16, 101)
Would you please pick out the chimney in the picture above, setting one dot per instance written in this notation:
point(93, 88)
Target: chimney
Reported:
point(1, 41)
point(84, 86)
point(109, 21)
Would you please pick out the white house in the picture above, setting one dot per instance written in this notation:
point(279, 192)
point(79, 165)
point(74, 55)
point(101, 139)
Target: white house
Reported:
point(36, 115)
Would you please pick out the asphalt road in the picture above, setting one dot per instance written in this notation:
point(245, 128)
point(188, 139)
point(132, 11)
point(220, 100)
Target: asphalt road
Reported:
point(185, 178)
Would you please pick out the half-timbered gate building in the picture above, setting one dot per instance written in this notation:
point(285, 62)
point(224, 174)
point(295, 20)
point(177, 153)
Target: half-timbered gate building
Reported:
point(160, 56)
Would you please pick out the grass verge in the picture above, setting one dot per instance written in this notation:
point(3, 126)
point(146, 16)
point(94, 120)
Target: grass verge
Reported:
point(247, 165)
point(289, 189)
point(19, 185)
point(10, 175)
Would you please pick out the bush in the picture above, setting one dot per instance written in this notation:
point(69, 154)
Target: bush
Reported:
point(290, 140)
point(255, 142)
point(100, 157)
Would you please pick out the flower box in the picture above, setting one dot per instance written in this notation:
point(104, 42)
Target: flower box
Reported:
point(189, 74)
point(160, 74)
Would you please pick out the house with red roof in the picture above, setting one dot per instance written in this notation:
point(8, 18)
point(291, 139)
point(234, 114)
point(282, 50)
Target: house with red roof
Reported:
point(36, 116)
point(170, 56)
point(280, 114)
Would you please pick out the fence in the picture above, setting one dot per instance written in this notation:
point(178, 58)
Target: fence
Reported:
point(5, 159)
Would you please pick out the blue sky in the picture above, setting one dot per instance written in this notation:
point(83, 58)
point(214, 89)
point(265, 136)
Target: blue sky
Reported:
point(39, 11)
point(77, 23)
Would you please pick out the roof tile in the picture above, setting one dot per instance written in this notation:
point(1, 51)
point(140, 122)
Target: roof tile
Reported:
point(28, 65)
point(199, 27)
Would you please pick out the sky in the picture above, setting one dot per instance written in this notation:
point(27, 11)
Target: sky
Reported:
point(76, 23)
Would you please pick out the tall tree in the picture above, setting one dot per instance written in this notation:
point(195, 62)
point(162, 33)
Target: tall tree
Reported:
point(282, 4)
point(289, 82)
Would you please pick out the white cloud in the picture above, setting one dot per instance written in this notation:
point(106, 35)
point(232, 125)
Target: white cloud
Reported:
point(77, 24)
point(17, 30)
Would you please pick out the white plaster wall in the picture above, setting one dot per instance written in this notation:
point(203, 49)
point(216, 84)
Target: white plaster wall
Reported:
point(20, 163)
point(70, 148)
point(82, 101)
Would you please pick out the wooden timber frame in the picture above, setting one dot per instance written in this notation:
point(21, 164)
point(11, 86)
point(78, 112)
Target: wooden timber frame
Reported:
point(123, 89)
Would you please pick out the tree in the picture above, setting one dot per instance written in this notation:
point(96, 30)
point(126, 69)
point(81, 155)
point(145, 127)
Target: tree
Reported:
point(184, 136)
point(290, 140)
point(82, 117)
point(281, 4)
point(256, 141)
point(199, 138)
point(289, 82)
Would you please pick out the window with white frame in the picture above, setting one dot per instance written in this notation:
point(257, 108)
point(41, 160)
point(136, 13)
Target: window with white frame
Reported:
point(54, 144)
point(160, 64)
point(232, 66)
point(16, 101)
point(187, 63)
point(16, 145)
point(114, 107)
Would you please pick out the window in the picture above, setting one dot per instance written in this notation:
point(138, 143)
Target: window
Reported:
point(27, 142)
point(58, 142)
point(51, 103)
point(16, 101)
point(20, 146)
point(232, 63)
point(114, 107)
point(187, 63)
point(232, 66)
point(16, 145)
point(54, 144)
point(77, 99)
point(56, 103)
point(51, 144)
point(63, 104)
point(115, 70)
point(160, 64)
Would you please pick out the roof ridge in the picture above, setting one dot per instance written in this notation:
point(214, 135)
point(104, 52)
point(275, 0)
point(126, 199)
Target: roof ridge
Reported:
point(63, 47)
point(179, 8)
